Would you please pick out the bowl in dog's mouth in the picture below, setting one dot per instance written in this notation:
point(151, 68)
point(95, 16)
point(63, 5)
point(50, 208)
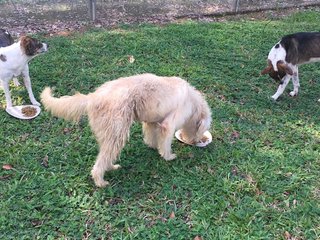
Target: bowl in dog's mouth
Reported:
point(24, 111)
point(205, 140)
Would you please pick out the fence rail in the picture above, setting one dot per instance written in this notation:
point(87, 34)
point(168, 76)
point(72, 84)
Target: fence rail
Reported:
point(33, 12)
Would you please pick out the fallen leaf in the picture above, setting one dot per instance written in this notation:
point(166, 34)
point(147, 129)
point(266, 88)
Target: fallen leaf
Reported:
point(63, 33)
point(7, 167)
point(131, 59)
point(235, 135)
point(222, 97)
point(294, 203)
point(66, 130)
point(37, 223)
point(172, 215)
point(287, 235)
point(45, 161)
point(5, 177)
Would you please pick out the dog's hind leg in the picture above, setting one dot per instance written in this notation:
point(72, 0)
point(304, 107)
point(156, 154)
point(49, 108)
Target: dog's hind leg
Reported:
point(112, 134)
point(5, 84)
point(150, 132)
point(103, 163)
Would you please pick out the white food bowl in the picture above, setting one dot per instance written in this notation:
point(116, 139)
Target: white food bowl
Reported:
point(206, 134)
point(16, 111)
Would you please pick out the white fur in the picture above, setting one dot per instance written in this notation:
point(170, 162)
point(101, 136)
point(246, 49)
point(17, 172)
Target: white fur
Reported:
point(286, 80)
point(16, 64)
point(277, 54)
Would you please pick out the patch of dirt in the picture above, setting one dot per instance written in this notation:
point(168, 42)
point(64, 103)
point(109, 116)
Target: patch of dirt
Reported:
point(63, 18)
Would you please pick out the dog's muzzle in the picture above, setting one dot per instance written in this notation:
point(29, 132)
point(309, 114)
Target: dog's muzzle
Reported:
point(44, 48)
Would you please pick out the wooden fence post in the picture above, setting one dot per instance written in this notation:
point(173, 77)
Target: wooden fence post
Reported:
point(236, 5)
point(92, 9)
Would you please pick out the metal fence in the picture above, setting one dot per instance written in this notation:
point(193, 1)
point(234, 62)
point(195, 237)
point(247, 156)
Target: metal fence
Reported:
point(110, 12)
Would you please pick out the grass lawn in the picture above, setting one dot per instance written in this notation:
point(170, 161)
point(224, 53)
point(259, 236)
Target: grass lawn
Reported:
point(258, 179)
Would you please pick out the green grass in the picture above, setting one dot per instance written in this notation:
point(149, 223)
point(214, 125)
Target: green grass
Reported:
point(258, 179)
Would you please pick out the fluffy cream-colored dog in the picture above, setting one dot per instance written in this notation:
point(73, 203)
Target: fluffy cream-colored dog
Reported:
point(162, 104)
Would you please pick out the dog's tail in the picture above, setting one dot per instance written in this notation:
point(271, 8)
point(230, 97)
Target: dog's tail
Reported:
point(67, 107)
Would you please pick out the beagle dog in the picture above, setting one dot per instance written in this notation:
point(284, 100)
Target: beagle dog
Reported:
point(285, 57)
point(14, 62)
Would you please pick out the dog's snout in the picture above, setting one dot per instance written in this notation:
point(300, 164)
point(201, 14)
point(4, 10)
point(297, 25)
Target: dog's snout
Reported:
point(45, 46)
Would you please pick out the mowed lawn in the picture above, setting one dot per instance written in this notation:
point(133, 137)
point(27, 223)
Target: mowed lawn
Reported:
point(258, 179)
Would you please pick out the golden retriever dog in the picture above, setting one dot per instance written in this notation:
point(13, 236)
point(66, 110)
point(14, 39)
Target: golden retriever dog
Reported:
point(162, 104)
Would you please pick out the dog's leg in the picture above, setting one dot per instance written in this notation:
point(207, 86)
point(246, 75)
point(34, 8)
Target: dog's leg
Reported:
point(295, 81)
point(16, 82)
point(281, 87)
point(150, 132)
point(111, 134)
point(102, 164)
point(5, 84)
point(165, 137)
point(27, 83)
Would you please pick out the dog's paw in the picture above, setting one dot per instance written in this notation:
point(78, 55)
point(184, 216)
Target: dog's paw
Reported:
point(116, 166)
point(101, 183)
point(170, 157)
point(274, 98)
point(36, 103)
point(293, 93)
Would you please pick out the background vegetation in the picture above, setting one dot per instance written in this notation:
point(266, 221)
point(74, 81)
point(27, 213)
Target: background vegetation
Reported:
point(258, 179)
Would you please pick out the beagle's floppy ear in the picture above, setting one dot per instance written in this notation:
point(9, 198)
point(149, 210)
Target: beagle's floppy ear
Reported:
point(29, 45)
point(267, 69)
point(282, 66)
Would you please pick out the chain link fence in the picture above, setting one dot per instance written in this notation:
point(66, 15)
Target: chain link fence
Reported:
point(28, 13)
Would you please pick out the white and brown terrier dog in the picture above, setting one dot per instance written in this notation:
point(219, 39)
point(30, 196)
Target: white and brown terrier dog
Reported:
point(290, 52)
point(6, 40)
point(14, 62)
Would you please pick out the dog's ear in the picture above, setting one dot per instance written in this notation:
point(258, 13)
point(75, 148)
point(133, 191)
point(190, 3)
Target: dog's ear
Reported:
point(28, 45)
point(267, 69)
point(282, 66)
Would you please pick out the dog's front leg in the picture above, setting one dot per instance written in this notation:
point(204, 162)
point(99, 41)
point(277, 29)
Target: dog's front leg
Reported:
point(150, 132)
point(5, 84)
point(166, 136)
point(27, 83)
point(295, 81)
point(281, 87)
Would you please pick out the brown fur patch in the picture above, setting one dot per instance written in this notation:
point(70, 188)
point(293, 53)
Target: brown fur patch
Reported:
point(283, 69)
point(3, 58)
point(30, 45)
